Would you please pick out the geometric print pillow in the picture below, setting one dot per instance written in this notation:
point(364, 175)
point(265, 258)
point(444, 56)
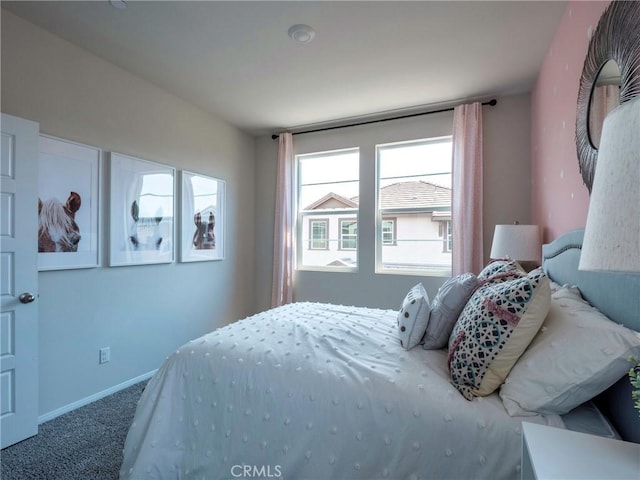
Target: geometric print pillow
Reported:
point(501, 269)
point(494, 329)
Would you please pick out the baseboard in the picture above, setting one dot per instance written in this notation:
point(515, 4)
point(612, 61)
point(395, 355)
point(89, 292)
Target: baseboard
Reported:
point(92, 398)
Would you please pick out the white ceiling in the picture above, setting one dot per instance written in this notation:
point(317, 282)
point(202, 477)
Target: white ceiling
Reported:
point(235, 59)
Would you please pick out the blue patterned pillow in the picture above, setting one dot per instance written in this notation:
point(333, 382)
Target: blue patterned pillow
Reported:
point(501, 270)
point(494, 329)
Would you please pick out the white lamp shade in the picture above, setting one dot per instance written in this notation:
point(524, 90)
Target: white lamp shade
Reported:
point(612, 233)
point(517, 242)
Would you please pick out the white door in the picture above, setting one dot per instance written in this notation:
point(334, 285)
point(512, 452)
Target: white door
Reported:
point(18, 280)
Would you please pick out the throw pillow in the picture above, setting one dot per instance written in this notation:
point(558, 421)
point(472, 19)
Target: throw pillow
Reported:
point(577, 354)
point(446, 307)
point(501, 270)
point(494, 329)
point(413, 317)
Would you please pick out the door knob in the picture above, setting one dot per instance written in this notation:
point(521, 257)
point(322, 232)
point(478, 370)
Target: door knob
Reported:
point(26, 297)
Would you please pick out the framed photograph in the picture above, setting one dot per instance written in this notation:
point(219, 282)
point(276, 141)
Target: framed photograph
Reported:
point(141, 207)
point(202, 219)
point(68, 204)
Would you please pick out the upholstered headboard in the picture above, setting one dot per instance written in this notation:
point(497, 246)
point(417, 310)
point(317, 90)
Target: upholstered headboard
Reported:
point(615, 295)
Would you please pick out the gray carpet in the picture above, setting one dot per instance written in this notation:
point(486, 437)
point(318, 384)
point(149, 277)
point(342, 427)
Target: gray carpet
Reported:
point(85, 444)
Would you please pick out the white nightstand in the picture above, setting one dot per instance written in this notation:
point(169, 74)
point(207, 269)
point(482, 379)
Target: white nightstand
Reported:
point(553, 453)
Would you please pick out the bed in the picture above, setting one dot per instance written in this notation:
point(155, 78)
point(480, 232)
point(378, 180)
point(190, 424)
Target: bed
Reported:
point(319, 391)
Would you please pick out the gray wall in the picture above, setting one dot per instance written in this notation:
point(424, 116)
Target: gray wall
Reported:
point(507, 189)
point(144, 312)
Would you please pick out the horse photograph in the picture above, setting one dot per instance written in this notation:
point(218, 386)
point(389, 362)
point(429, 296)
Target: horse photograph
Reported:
point(204, 237)
point(202, 226)
point(68, 195)
point(145, 231)
point(141, 211)
point(57, 228)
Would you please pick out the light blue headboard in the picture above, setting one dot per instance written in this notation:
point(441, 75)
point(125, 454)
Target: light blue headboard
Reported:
point(618, 297)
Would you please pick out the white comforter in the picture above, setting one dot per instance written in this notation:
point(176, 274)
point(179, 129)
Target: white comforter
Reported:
point(315, 391)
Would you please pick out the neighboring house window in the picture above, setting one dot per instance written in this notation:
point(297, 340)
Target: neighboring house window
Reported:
point(413, 185)
point(388, 231)
point(319, 234)
point(447, 236)
point(348, 234)
point(327, 214)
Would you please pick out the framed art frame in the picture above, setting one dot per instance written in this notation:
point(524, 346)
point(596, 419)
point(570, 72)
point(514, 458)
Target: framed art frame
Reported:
point(141, 211)
point(68, 204)
point(202, 218)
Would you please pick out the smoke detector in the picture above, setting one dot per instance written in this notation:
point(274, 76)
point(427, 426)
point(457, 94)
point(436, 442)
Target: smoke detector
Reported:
point(301, 33)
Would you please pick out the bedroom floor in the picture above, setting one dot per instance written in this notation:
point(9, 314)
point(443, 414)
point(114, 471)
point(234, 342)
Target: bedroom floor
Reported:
point(86, 443)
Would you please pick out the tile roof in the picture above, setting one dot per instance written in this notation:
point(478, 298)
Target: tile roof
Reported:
point(417, 194)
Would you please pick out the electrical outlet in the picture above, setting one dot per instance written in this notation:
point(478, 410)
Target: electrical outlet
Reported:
point(105, 355)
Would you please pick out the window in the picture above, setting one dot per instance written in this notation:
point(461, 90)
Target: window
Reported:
point(388, 231)
point(447, 236)
point(319, 234)
point(327, 210)
point(413, 186)
point(348, 234)
point(412, 208)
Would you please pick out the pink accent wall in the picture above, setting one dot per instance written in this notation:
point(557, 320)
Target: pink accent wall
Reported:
point(559, 197)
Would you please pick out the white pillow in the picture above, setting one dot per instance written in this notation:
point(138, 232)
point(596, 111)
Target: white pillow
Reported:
point(446, 307)
point(577, 354)
point(413, 317)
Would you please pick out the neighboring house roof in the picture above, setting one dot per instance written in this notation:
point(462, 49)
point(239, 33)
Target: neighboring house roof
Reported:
point(343, 262)
point(418, 194)
point(332, 200)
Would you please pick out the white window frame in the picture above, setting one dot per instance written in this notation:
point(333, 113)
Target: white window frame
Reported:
point(382, 214)
point(309, 214)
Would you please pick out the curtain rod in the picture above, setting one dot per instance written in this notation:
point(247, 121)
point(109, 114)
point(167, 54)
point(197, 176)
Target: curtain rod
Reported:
point(491, 103)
